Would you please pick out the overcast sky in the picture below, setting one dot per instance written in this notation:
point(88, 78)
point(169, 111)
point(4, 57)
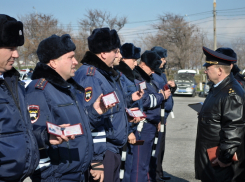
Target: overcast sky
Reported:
point(141, 13)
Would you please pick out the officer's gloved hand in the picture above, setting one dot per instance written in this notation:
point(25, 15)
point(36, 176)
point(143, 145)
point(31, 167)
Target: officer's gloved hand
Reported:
point(56, 140)
point(100, 107)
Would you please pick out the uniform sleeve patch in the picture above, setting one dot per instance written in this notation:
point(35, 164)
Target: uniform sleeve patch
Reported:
point(34, 112)
point(88, 94)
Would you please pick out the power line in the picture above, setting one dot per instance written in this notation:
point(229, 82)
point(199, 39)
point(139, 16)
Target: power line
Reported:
point(231, 9)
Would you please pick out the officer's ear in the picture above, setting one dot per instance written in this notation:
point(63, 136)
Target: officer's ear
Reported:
point(103, 55)
point(53, 63)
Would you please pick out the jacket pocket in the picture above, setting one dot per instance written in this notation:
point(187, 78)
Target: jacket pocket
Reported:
point(13, 155)
point(4, 101)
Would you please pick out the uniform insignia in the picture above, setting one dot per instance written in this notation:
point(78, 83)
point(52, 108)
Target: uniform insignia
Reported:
point(41, 84)
point(91, 71)
point(231, 91)
point(34, 112)
point(88, 94)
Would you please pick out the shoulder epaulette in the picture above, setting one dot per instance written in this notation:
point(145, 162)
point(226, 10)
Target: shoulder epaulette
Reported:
point(41, 83)
point(91, 71)
point(231, 91)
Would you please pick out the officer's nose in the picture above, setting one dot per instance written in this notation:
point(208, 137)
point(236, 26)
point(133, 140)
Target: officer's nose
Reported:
point(15, 53)
point(75, 61)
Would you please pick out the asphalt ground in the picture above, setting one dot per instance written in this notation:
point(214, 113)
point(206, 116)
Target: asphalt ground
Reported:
point(180, 141)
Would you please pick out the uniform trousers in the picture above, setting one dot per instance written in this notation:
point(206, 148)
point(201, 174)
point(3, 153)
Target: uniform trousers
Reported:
point(155, 169)
point(128, 163)
point(142, 153)
point(76, 177)
point(111, 162)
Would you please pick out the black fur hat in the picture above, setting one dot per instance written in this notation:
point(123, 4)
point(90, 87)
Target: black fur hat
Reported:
point(129, 51)
point(151, 59)
point(11, 32)
point(160, 51)
point(103, 40)
point(54, 46)
point(228, 52)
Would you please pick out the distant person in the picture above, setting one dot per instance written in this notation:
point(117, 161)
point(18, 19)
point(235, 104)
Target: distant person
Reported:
point(221, 123)
point(29, 74)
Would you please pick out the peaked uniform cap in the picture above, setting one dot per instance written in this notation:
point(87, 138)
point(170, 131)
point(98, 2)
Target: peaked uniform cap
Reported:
point(218, 57)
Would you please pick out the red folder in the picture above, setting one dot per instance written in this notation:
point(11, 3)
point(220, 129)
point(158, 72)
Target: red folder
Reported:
point(213, 153)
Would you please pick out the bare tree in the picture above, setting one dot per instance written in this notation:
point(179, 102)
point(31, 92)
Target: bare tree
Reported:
point(37, 27)
point(239, 47)
point(98, 19)
point(183, 41)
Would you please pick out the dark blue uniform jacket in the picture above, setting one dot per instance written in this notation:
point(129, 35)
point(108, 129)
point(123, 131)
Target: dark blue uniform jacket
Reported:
point(57, 101)
point(160, 78)
point(97, 78)
point(19, 154)
point(130, 81)
point(152, 99)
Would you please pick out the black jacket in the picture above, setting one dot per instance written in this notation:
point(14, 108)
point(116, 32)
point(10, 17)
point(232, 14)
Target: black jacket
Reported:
point(221, 123)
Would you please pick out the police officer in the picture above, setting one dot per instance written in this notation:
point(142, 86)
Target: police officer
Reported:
point(18, 147)
point(221, 123)
point(53, 96)
point(156, 171)
point(129, 56)
point(98, 77)
point(151, 100)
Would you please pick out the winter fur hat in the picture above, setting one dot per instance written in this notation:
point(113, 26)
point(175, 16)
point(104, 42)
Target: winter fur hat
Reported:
point(11, 32)
point(103, 40)
point(151, 59)
point(129, 51)
point(160, 51)
point(228, 52)
point(53, 47)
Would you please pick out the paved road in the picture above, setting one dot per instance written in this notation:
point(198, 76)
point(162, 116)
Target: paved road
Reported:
point(180, 142)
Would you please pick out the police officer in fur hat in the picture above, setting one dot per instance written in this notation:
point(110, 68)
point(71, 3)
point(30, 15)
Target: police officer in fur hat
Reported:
point(152, 99)
point(221, 123)
point(19, 154)
point(55, 97)
point(156, 170)
point(97, 76)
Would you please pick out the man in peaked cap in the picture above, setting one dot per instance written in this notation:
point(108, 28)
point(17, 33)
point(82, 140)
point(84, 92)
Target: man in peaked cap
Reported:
point(18, 147)
point(97, 76)
point(221, 123)
point(56, 98)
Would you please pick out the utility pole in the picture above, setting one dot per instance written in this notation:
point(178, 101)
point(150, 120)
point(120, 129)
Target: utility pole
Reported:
point(214, 12)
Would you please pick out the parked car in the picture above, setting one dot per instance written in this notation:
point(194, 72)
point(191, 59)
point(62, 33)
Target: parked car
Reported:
point(186, 84)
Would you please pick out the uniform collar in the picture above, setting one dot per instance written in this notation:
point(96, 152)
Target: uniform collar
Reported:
point(221, 85)
point(91, 59)
point(143, 74)
point(126, 70)
point(44, 71)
